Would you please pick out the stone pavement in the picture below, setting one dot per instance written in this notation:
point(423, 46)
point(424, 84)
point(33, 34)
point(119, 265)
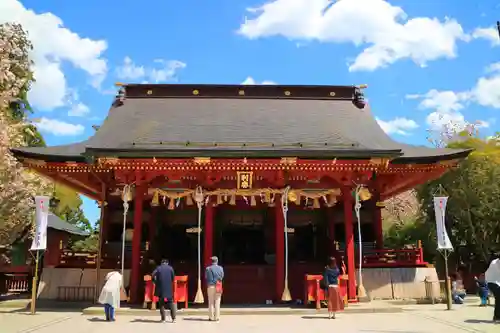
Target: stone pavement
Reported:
point(415, 319)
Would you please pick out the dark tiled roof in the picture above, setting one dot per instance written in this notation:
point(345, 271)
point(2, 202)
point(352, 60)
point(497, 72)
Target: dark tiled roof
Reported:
point(248, 126)
point(55, 222)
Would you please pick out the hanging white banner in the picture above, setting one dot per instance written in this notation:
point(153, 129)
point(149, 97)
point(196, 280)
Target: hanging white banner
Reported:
point(443, 241)
point(41, 220)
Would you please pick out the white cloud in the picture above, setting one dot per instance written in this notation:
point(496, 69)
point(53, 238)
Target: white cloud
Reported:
point(78, 110)
point(487, 89)
point(441, 101)
point(166, 70)
point(59, 128)
point(76, 107)
point(383, 29)
point(398, 125)
point(250, 81)
point(54, 44)
point(489, 34)
point(130, 70)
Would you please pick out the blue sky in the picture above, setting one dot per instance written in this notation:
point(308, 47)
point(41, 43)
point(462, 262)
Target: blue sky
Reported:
point(427, 63)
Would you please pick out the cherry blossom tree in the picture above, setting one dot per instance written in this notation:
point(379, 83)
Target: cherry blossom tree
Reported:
point(18, 186)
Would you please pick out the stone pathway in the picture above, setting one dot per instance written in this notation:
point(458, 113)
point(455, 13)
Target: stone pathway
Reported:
point(422, 319)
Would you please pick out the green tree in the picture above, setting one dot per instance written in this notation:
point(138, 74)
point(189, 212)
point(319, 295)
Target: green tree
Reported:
point(473, 210)
point(69, 207)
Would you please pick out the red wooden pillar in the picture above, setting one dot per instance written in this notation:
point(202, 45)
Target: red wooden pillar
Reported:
point(136, 243)
point(209, 233)
point(377, 226)
point(280, 248)
point(331, 231)
point(152, 224)
point(349, 240)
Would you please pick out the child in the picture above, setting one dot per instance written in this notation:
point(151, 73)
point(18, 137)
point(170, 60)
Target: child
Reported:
point(482, 288)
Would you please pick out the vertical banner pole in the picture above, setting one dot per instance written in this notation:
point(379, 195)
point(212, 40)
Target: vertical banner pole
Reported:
point(39, 240)
point(448, 282)
point(35, 284)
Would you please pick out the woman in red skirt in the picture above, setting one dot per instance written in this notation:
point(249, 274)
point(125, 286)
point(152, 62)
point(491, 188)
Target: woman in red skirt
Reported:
point(331, 281)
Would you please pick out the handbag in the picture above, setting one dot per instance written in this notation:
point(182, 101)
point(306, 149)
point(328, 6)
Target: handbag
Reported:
point(218, 287)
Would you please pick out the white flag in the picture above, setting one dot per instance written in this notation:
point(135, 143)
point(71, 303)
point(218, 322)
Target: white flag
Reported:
point(443, 240)
point(41, 219)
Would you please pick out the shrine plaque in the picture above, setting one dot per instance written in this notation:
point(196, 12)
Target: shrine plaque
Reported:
point(244, 179)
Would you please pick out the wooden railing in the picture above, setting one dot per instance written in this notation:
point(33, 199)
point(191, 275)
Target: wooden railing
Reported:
point(75, 293)
point(17, 283)
point(73, 259)
point(391, 258)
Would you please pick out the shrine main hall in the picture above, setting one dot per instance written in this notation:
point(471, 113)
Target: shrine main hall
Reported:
point(240, 153)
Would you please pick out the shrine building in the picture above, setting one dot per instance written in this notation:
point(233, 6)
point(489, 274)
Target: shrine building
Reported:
point(238, 150)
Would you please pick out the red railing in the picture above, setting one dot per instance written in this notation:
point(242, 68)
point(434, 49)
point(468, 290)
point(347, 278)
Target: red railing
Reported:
point(391, 258)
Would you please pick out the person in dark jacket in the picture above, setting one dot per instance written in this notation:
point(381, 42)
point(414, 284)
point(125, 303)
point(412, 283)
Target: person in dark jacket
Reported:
point(331, 284)
point(163, 277)
point(482, 289)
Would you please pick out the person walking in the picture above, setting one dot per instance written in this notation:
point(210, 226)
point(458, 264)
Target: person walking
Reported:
point(214, 274)
point(492, 276)
point(110, 294)
point(331, 284)
point(163, 277)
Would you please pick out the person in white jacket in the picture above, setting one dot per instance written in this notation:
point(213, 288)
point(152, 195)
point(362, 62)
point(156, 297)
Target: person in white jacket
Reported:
point(110, 294)
point(492, 276)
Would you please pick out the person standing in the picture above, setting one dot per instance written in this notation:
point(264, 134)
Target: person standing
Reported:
point(214, 274)
point(331, 283)
point(163, 277)
point(492, 276)
point(482, 289)
point(110, 294)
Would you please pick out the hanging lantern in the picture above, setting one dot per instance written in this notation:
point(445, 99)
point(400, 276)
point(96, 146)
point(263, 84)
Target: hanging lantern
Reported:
point(364, 194)
point(219, 200)
point(155, 202)
point(171, 204)
point(232, 202)
point(189, 200)
point(127, 194)
point(198, 196)
point(253, 202)
point(316, 204)
point(271, 200)
point(267, 197)
point(332, 201)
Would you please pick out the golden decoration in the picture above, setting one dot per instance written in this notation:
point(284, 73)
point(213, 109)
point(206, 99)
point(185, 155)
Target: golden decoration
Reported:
point(118, 84)
point(287, 93)
point(267, 195)
point(288, 160)
point(195, 92)
point(201, 160)
point(332, 93)
point(363, 86)
point(380, 204)
point(364, 194)
point(316, 204)
point(244, 180)
point(149, 92)
point(171, 204)
point(189, 200)
point(292, 196)
point(156, 199)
